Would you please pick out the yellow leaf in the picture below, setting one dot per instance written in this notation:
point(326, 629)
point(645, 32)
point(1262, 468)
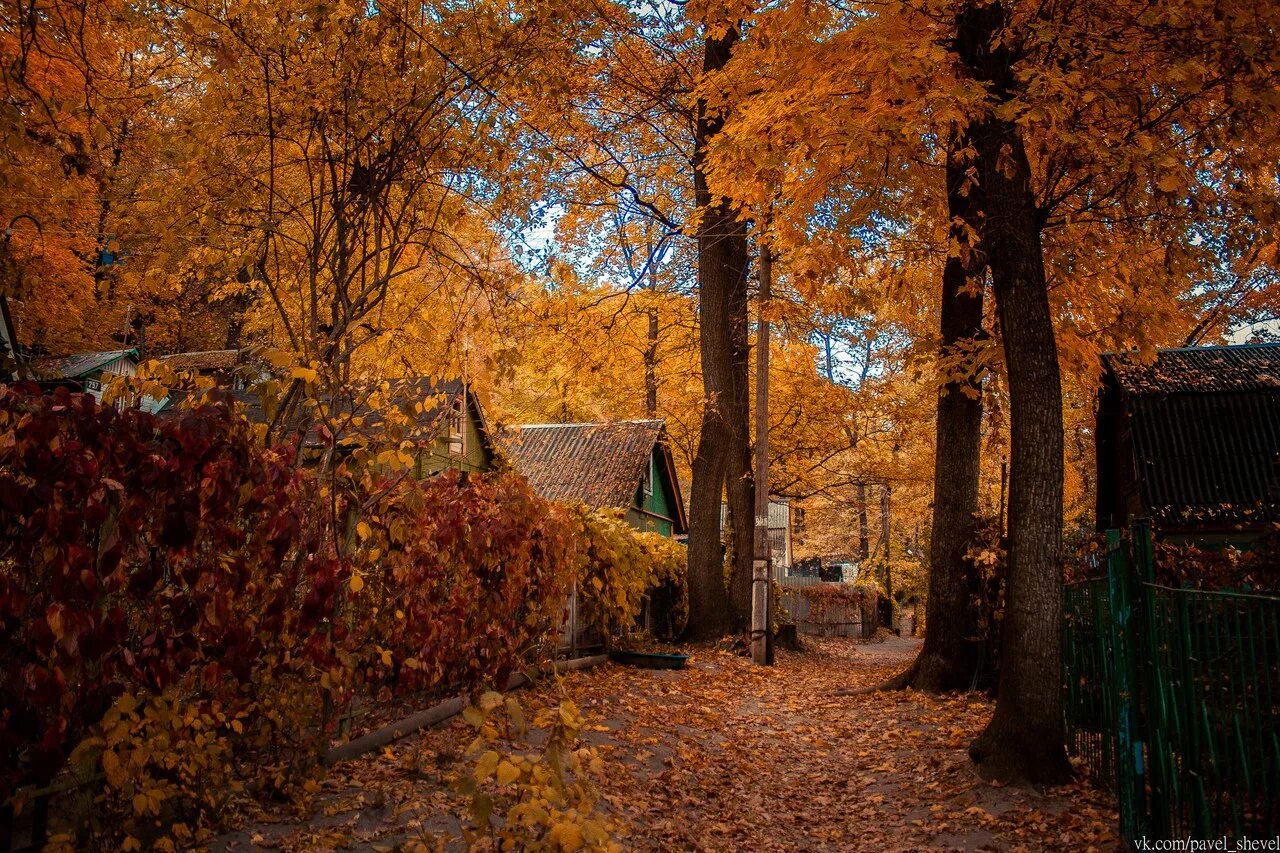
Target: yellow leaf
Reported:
point(114, 771)
point(567, 836)
point(486, 766)
point(507, 772)
point(357, 583)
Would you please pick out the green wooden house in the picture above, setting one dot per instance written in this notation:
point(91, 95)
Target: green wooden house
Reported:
point(623, 465)
point(454, 434)
point(442, 419)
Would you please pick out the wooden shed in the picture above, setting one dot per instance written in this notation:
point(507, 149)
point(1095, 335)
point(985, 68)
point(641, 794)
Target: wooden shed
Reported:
point(1191, 441)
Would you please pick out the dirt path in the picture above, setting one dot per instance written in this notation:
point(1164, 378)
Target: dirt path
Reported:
point(727, 756)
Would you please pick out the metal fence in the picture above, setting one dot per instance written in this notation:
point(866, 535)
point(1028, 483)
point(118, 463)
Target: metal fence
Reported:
point(1172, 698)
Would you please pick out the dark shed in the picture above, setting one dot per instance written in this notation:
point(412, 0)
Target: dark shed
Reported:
point(1191, 440)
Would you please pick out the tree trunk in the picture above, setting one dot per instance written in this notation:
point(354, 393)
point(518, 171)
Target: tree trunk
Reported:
point(722, 274)
point(949, 658)
point(1024, 741)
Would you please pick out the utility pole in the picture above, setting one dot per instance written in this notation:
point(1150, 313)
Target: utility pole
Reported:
point(885, 491)
point(651, 344)
point(763, 558)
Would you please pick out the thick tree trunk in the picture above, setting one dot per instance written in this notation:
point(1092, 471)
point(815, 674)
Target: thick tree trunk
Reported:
point(949, 658)
point(1024, 740)
point(722, 448)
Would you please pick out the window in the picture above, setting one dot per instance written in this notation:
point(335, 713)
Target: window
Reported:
point(457, 433)
point(648, 477)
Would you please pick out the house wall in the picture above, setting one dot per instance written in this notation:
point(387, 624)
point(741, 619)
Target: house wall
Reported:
point(654, 512)
point(476, 458)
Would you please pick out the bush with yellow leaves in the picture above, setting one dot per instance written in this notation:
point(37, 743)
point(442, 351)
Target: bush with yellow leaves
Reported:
point(622, 569)
point(523, 797)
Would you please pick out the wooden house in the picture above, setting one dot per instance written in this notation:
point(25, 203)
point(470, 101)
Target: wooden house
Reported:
point(442, 419)
point(1191, 441)
point(85, 371)
point(91, 372)
point(623, 465)
point(223, 366)
point(11, 355)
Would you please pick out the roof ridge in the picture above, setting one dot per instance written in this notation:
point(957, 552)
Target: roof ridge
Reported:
point(569, 424)
point(1206, 348)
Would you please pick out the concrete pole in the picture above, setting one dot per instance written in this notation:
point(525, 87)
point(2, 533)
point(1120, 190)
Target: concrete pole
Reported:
point(761, 564)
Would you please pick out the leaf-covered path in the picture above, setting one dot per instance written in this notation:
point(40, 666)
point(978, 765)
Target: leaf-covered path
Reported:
point(726, 756)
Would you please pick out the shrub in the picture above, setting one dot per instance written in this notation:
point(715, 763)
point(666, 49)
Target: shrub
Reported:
point(134, 554)
point(824, 598)
point(619, 569)
point(457, 580)
point(185, 612)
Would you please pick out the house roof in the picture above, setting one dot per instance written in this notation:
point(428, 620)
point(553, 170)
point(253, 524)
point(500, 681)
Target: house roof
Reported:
point(600, 465)
point(80, 364)
point(1244, 367)
point(214, 359)
point(1205, 426)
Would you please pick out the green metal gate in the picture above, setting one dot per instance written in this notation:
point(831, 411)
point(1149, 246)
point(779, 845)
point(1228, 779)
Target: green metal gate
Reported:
point(1172, 698)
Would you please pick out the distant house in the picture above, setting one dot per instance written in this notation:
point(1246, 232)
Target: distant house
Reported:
point(623, 465)
point(442, 419)
point(91, 372)
point(220, 365)
point(86, 371)
point(782, 518)
point(11, 355)
point(1192, 442)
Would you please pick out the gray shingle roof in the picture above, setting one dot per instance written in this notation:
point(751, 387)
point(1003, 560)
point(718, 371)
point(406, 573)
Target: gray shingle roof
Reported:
point(1245, 367)
point(214, 359)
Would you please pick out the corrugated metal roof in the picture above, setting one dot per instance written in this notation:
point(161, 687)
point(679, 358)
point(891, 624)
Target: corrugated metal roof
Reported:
point(1208, 458)
point(76, 366)
point(1246, 367)
point(599, 465)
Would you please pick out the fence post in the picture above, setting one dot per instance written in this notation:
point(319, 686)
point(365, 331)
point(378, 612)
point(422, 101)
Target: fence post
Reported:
point(1152, 708)
point(1130, 790)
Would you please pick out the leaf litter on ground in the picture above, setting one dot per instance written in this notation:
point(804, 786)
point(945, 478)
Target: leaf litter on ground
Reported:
point(725, 755)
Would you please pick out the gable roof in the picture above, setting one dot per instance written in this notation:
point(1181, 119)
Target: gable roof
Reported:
point(600, 465)
point(80, 364)
point(214, 359)
point(1205, 428)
